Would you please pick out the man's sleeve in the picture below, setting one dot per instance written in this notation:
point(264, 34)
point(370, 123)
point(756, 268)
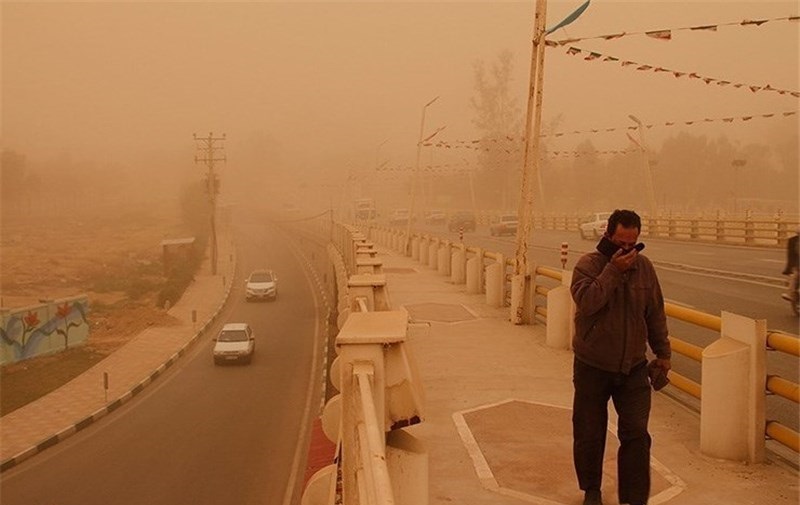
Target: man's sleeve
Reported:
point(591, 291)
point(657, 332)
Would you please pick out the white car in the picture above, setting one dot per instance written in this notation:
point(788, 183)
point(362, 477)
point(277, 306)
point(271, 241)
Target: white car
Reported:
point(261, 285)
point(505, 224)
point(236, 342)
point(594, 225)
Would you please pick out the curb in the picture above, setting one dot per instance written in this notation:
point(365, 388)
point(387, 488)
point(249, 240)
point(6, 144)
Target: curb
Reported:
point(125, 397)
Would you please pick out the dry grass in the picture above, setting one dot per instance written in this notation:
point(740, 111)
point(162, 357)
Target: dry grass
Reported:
point(115, 260)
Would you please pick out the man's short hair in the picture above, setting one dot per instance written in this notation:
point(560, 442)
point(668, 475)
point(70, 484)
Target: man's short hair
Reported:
point(627, 218)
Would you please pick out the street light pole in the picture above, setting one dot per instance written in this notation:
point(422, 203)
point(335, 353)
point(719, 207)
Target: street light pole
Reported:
point(648, 173)
point(415, 179)
point(533, 124)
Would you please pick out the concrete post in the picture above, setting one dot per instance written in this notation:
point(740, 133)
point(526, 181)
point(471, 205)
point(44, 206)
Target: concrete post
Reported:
point(732, 420)
point(433, 255)
point(424, 246)
point(474, 270)
point(415, 248)
point(458, 266)
point(559, 316)
point(494, 285)
point(443, 261)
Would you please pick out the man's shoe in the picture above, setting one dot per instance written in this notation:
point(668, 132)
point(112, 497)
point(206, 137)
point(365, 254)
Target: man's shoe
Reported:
point(592, 497)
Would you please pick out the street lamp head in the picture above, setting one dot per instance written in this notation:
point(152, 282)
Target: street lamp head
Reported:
point(635, 119)
point(429, 103)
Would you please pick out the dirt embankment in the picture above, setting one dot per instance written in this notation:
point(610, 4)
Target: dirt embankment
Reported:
point(115, 260)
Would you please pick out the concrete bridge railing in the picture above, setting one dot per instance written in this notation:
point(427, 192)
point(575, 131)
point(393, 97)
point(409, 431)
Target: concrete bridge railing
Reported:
point(377, 462)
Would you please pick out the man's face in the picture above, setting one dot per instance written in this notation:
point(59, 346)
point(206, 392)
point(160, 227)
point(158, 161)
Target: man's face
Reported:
point(625, 237)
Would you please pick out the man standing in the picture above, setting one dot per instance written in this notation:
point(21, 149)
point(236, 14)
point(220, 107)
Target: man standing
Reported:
point(619, 311)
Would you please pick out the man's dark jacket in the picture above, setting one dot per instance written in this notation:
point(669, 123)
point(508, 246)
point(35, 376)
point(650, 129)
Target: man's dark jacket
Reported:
point(617, 313)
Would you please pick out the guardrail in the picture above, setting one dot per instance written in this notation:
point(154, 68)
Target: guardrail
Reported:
point(742, 230)
point(377, 462)
point(737, 357)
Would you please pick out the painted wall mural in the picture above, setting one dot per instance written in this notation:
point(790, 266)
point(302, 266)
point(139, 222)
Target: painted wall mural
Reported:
point(43, 329)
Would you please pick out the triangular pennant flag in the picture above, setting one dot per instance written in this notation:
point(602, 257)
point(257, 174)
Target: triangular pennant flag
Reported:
point(614, 36)
point(678, 74)
point(593, 56)
point(712, 28)
point(747, 118)
point(573, 51)
point(694, 75)
point(610, 58)
point(660, 34)
point(662, 69)
point(644, 67)
point(790, 113)
point(550, 43)
point(708, 80)
point(728, 119)
point(757, 22)
point(627, 63)
point(754, 88)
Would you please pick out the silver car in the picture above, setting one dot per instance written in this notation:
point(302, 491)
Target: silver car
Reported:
point(261, 285)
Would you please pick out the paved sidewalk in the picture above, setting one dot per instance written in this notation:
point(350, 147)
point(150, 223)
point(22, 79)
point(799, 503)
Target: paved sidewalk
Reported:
point(498, 426)
point(56, 416)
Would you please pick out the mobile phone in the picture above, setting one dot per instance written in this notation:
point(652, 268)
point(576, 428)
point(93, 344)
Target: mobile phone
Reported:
point(638, 247)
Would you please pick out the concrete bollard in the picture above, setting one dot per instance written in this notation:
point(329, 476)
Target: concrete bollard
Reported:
point(443, 262)
point(415, 248)
point(494, 285)
point(424, 246)
point(433, 255)
point(559, 317)
point(458, 267)
point(474, 270)
point(732, 420)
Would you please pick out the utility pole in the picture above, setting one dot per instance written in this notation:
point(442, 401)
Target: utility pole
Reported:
point(530, 166)
point(415, 178)
point(648, 173)
point(207, 150)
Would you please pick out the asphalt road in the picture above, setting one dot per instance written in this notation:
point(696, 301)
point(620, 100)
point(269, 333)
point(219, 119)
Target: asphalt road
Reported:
point(202, 434)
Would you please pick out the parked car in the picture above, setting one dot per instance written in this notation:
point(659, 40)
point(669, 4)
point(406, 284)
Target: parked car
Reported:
point(594, 225)
point(261, 285)
point(462, 220)
point(235, 342)
point(399, 216)
point(505, 224)
point(435, 217)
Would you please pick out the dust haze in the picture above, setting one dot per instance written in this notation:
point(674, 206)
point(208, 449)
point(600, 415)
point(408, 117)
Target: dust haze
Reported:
point(321, 104)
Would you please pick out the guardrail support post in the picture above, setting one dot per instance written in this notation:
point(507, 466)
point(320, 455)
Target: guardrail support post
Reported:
point(433, 254)
point(475, 273)
point(458, 272)
point(443, 261)
point(424, 246)
point(415, 248)
point(732, 420)
point(495, 283)
point(560, 314)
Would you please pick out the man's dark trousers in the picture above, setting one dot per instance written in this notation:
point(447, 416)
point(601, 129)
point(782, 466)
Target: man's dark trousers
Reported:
point(631, 396)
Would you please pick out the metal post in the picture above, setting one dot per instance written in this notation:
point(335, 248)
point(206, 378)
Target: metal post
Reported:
point(531, 158)
point(564, 253)
point(648, 174)
point(415, 179)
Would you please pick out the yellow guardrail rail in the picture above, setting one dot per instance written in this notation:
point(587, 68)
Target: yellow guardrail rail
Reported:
point(694, 316)
point(692, 351)
point(782, 387)
point(784, 435)
point(783, 342)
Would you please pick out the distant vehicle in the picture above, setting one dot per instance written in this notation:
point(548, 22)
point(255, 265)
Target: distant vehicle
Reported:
point(364, 209)
point(399, 216)
point(594, 225)
point(462, 219)
point(435, 217)
point(235, 342)
point(505, 224)
point(261, 285)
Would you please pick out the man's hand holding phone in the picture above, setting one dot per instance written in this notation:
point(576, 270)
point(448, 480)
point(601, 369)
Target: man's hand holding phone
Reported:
point(623, 260)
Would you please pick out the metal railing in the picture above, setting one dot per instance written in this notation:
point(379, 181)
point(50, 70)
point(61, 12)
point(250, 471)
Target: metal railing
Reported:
point(731, 229)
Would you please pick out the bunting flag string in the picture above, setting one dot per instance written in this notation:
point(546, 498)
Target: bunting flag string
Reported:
point(595, 56)
point(458, 144)
point(666, 34)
